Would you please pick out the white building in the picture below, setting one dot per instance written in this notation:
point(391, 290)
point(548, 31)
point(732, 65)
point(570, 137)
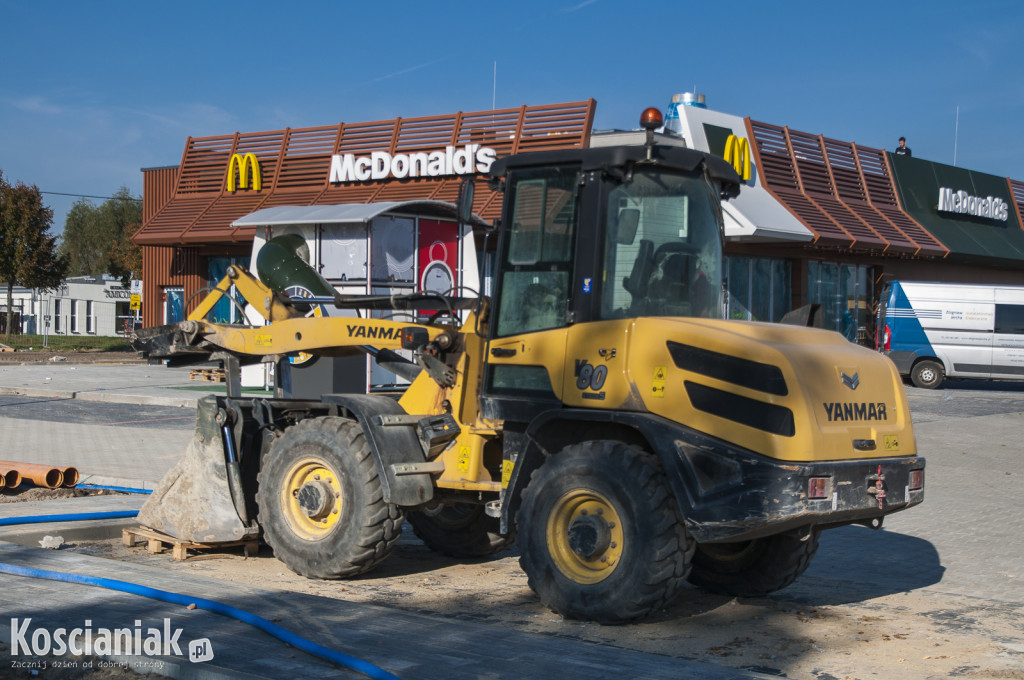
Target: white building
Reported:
point(81, 305)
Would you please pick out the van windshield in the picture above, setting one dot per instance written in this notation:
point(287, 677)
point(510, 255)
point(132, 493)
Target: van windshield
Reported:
point(663, 247)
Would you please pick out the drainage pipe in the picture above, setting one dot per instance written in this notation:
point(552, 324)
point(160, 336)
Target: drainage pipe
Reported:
point(266, 626)
point(69, 477)
point(40, 475)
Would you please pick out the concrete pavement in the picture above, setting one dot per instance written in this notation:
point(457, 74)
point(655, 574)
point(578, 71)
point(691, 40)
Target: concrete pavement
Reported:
point(127, 384)
point(119, 456)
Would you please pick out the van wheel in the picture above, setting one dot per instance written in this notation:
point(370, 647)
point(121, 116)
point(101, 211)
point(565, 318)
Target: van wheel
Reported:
point(601, 534)
point(927, 374)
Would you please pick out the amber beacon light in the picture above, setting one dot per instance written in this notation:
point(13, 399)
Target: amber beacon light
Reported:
point(651, 119)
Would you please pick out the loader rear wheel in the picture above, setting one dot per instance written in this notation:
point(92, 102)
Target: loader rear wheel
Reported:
point(460, 530)
point(321, 503)
point(601, 535)
point(753, 568)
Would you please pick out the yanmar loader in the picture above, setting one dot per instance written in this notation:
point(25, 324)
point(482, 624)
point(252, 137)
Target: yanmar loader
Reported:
point(596, 410)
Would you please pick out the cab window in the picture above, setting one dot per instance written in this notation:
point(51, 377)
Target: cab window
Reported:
point(534, 286)
point(663, 248)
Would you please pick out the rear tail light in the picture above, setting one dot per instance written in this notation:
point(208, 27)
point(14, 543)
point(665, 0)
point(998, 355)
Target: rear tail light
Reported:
point(916, 479)
point(819, 487)
point(887, 338)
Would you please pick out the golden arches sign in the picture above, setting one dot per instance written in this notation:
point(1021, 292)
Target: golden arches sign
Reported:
point(737, 153)
point(244, 165)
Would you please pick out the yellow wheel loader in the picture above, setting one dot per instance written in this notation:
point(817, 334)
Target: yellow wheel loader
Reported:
point(596, 409)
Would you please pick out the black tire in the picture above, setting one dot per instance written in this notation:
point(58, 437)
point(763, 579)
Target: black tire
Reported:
point(321, 503)
point(753, 568)
point(601, 535)
point(927, 374)
point(460, 530)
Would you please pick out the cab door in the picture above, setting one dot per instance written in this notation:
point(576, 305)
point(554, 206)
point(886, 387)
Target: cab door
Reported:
point(533, 295)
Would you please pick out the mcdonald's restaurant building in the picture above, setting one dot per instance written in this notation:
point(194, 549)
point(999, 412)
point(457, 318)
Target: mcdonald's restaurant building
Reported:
point(818, 220)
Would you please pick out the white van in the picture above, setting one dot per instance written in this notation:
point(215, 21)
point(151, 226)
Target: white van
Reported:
point(936, 330)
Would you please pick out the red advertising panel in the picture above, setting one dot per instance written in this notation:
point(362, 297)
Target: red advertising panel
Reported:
point(438, 256)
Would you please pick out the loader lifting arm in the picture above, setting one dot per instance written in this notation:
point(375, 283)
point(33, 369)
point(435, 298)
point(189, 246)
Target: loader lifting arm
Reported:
point(288, 330)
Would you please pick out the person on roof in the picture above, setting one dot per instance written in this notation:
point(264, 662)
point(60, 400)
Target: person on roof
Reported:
point(903, 149)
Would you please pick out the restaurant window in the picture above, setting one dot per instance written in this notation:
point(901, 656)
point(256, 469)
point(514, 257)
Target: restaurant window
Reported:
point(846, 295)
point(759, 288)
point(174, 304)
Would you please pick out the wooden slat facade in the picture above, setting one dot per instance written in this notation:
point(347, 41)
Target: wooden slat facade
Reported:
point(295, 166)
point(842, 192)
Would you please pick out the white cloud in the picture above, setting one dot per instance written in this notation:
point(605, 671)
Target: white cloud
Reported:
point(576, 8)
point(37, 104)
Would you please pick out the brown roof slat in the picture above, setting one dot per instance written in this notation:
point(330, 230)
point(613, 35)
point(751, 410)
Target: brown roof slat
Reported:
point(827, 232)
point(417, 134)
point(881, 191)
point(204, 165)
point(775, 155)
point(860, 230)
point(898, 241)
point(363, 138)
point(1017, 191)
point(850, 189)
point(215, 223)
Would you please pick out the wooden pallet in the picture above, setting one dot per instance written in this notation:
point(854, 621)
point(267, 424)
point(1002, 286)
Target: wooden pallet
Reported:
point(208, 374)
point(157, 542)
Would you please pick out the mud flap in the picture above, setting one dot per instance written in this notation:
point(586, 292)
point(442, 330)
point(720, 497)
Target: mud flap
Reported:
point(193, 502)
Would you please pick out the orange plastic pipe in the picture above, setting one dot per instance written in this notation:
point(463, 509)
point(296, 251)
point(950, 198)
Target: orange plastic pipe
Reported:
point(40, 475)
point(70, 476)
point(12, 478)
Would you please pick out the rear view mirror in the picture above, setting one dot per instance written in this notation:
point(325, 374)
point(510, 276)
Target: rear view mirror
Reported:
point(625, 231)
point(464, 207)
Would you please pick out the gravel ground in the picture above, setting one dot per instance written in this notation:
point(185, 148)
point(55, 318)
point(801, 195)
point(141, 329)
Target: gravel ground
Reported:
point(83, 357)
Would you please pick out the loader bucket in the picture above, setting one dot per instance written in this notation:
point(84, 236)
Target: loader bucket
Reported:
point(194, 501)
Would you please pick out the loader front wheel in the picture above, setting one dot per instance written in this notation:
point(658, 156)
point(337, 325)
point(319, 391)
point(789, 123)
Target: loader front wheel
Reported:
point(601, 535)
point(754, 568)
point(321, 503)
point(460, 530)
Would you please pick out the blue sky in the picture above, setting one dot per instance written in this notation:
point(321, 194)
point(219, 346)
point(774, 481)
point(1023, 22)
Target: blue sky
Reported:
point(93, 92)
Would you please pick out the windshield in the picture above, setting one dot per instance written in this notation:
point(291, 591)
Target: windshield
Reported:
point(663, 247)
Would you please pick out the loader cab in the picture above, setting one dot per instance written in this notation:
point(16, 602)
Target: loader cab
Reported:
point(594, 235)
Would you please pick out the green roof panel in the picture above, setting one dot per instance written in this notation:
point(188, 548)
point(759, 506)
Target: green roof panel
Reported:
point(968, 237)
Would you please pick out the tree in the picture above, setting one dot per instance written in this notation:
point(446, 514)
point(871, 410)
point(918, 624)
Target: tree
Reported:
point(97, 240)
point(28, 253)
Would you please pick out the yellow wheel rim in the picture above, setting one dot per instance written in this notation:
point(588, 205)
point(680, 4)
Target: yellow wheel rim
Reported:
point(311, 498)
point(584, 535)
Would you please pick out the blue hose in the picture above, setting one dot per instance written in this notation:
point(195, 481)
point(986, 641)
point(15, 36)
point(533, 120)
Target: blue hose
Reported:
point(122, 489)
point(280, 633)
point(71, 517)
